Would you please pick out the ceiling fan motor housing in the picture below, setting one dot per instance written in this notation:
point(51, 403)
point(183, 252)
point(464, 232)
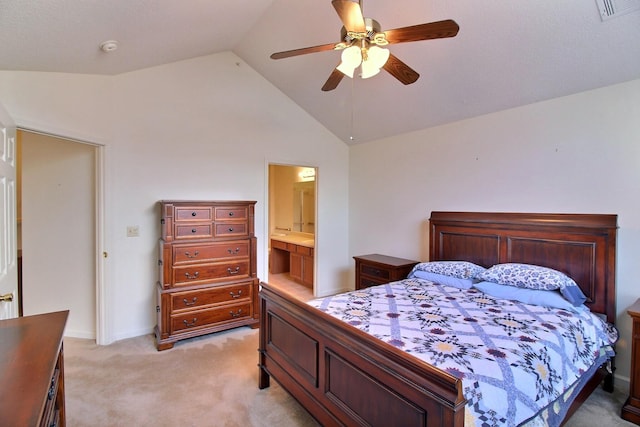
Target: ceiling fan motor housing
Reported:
point(372, 35)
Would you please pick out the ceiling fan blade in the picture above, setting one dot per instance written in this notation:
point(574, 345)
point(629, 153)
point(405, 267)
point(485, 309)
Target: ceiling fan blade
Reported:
point(333, 81)
point(431, 30)
point(303, 51)
point(350, 14)
point(400, 70)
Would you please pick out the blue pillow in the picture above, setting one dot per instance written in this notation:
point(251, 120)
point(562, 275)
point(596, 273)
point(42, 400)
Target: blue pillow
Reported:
point(539, 297)
point(534, 277)
point(459, 269)
point(441, 279)
point(572, 292)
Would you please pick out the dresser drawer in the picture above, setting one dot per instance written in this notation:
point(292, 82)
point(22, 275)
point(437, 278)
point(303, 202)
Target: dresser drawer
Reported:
point(193, 213)
point(201, 318)
point(231, 213)
point(231, 229)
point(200, 253)
point(49, 413)
point(190, 300)
point(207, 273)
point(194, 231)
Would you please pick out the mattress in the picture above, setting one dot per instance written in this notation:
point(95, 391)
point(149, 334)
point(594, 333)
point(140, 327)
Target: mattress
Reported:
point(520, 364)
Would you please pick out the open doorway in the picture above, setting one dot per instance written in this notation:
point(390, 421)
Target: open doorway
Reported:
point(292, 228)
point(58, 205)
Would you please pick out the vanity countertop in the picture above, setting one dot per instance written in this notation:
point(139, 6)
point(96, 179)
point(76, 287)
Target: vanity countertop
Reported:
point(302, 239)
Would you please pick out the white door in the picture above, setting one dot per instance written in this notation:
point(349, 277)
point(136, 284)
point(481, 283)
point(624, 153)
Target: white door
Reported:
point(8, 221)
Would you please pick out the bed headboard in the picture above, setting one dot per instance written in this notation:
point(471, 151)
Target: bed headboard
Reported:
point(583, 246)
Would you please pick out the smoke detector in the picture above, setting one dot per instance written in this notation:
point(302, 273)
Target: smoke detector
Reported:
point(109, 46)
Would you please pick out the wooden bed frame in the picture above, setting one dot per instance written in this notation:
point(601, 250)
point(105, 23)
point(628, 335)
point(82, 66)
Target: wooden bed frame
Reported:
point(343, 376)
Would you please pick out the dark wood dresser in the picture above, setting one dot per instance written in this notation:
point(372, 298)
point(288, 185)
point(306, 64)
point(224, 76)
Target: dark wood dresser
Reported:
point(631, 408)
point(208, 279)
point(376, 269)
point(32, 370)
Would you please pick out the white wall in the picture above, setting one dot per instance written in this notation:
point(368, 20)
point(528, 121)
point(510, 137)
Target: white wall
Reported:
point(576, 154)
point(208, 127)
point(205, 128)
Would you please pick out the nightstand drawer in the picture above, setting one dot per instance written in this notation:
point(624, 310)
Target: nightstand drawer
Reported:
point(374, 271)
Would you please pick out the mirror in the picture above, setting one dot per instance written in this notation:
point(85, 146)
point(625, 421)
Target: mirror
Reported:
point(292, 194)
point(304, 206)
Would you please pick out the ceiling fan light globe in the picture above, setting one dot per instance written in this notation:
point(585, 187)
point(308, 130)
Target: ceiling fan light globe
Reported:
point(378, 56)
point(351, 59)
point(369, 71)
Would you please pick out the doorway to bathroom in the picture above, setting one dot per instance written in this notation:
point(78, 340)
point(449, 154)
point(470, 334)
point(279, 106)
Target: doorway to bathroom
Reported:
point(292, 228)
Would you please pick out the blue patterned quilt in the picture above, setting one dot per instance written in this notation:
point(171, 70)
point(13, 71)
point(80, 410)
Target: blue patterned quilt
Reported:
point(519, 364)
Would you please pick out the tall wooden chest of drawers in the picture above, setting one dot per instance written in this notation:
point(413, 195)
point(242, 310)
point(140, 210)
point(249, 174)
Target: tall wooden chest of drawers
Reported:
point(207, 269)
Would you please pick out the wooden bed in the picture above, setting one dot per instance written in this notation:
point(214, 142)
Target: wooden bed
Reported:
point(343, 376)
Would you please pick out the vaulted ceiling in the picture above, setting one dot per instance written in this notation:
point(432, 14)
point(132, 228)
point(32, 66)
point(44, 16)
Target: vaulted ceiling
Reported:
point(506, 53)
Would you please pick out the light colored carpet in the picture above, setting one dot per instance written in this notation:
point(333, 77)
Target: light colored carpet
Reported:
point(207, 381)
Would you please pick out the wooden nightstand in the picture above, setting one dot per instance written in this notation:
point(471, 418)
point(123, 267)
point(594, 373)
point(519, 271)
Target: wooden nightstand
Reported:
point(631, 408)
point(376, 269)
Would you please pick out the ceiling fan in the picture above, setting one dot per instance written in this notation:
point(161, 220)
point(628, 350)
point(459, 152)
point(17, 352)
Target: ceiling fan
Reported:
point(361, 41)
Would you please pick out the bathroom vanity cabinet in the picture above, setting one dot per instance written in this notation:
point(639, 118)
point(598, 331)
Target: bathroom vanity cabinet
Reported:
point(294, 256)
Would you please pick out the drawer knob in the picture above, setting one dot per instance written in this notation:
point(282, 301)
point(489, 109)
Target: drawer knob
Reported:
point(230, 229)
point(188, 303)
point(192, 276)
point(236, 314)
point(188, 254)
point(193, 214)
point(230, 271)
point(238, 295)
point(52, 389)
point(193, 230)
point(230, 213)
point(231, 251)
point(192, 324)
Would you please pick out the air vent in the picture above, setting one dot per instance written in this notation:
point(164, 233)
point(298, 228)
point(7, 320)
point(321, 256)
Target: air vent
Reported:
point(615, 8)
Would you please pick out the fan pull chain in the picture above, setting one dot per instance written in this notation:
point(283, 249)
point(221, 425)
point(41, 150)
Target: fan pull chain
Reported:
point(351, 137)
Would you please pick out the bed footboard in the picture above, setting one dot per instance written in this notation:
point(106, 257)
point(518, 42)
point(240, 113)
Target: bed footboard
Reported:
point(342, 376)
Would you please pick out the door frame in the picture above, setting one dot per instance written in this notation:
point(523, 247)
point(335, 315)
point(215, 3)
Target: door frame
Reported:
point(299, 164)
point(102, 330)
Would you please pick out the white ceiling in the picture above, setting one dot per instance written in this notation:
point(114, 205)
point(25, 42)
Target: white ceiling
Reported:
point(506, 54)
